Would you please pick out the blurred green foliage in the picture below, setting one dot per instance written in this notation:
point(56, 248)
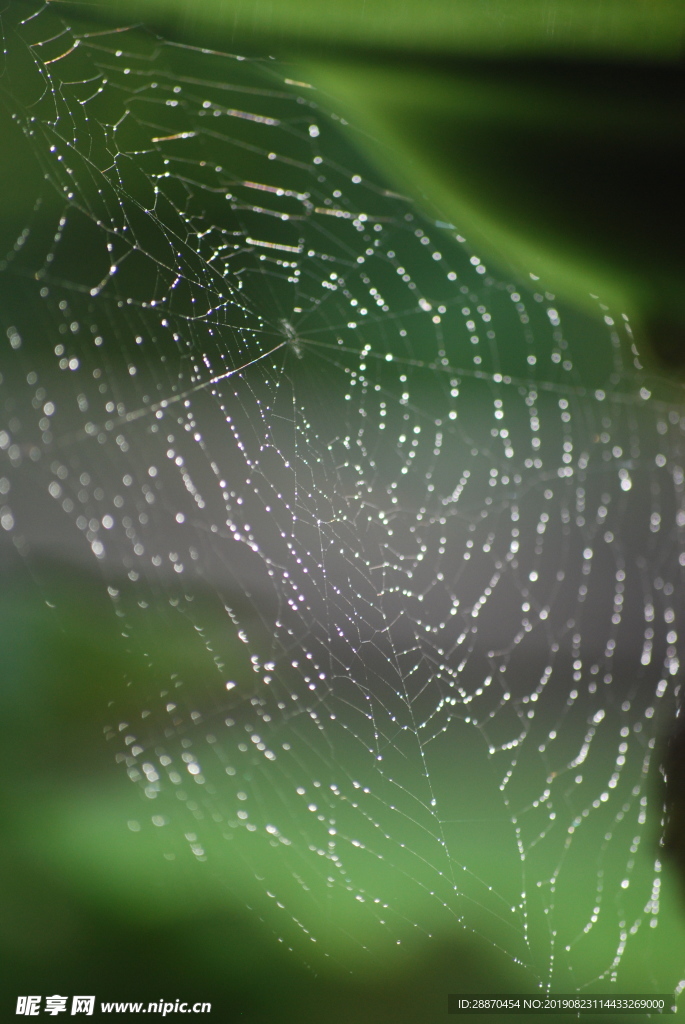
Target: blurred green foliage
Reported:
point(91, 906)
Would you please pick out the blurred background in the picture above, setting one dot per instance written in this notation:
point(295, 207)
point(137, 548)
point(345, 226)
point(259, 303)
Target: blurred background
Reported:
point(551, 137)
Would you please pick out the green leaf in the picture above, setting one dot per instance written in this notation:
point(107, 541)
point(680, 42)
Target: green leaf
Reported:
point(630, 28)
point(561, 169)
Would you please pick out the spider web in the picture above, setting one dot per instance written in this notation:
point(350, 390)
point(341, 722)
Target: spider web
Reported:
point(417, 530)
